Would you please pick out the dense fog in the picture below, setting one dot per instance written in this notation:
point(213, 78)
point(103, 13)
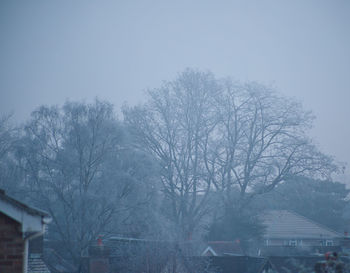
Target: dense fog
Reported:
point(160, 127)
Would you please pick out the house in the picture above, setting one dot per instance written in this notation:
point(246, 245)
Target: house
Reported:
point(228, 256)
point(288, 233)
point(120, 254)
point(221, 248)
point(19, 224)
point(239, 264)
point(219, 264)
point(286, 264)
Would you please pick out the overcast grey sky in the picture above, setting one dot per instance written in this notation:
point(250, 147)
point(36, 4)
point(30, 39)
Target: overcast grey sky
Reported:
point(51, 51)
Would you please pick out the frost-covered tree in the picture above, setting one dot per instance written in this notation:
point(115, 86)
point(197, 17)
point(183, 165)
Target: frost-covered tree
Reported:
point(11, 174)
point(220, 135)
point(175, 126)
point(82, 171)
point(262, 141)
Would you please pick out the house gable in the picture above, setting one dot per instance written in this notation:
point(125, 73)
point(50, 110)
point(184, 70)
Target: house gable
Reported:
point(31, 220)
point(19, 223)
point(209, 252)
point(220, 248)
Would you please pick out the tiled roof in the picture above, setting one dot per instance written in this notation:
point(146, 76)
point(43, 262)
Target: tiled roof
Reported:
point(36, 264)
point(284, 224)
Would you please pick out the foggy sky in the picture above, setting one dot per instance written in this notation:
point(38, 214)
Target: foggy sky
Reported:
point(51, 51)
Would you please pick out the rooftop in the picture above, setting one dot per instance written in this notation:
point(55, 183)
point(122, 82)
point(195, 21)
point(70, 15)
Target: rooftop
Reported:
point(30, 218)
point(220, 248)
point(282, 224)
point(22, 206)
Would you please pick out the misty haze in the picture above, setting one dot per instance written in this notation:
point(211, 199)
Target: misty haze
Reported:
point(174, 136)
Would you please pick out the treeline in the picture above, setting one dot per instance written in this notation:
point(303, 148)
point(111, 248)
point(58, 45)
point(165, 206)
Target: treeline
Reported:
point(199, 159)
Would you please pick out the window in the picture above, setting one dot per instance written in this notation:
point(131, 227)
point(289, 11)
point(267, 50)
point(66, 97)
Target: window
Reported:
point(293, 243)
point(329, 242)
point(266, 242)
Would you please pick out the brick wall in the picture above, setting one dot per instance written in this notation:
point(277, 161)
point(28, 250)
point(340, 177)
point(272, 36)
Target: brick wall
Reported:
point(99, 265)
point(99, 261)
point(11, 245)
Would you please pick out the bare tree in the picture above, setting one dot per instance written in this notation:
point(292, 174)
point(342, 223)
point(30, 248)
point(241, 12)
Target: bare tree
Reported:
point(76, 170)
point(210, 135)
point(262, 142)
point(175, 126)
point(6, 138)
point(10, 172)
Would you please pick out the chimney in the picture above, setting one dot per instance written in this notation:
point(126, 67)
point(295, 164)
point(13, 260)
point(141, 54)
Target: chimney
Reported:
point(99, 241)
